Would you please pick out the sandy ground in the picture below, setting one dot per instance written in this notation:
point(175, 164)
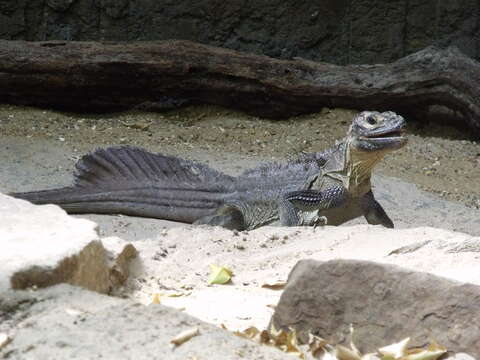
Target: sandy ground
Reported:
point(265, 256)
point(39, 149)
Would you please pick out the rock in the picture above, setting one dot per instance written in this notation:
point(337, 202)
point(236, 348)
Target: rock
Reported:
point(120, 254)
point(362, 31)
point(59, 5)
point(384, 303)
point(66, 322)
point(41, 246)
point(412, 207)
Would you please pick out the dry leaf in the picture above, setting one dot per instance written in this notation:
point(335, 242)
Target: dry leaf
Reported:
point(248, 333)
point(282, 340)
point(251, 332)
point(158, 296)
point(397, 350)
point(178, 294)
point(352, 343)
point(273, 330)
point(344, 353)
point(316, 344)
point(277, 285)
point(264, 337)
point(425, 355)
point(319, 348)
point(329, 355)
point(141, 125)
point(184, 336)
point(219, 274)
point(292, 343)
point(156, 299)
point(287, 341)
point(371, 356)
point(433, 351)
point(434, 346)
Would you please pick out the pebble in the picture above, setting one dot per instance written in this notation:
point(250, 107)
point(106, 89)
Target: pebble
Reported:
point(4, 340)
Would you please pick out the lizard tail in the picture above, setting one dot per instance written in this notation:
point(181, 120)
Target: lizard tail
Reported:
point(131, 181)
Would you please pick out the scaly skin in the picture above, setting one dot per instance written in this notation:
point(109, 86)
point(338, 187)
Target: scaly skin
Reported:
point(331, 187)
point(337, 189)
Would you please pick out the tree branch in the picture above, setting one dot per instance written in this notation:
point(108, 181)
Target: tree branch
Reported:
point(91, 76)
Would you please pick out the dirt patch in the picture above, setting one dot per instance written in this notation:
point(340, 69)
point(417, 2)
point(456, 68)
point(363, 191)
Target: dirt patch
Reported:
point(438, 159)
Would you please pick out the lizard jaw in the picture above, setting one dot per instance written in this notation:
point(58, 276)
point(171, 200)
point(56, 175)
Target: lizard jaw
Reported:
point(391, 140)
point(394, 141)
point(386, 134)
point(385, 139)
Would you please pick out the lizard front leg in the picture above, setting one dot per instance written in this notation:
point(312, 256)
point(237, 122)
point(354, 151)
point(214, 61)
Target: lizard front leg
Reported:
point(374, 212)
point(309, 200)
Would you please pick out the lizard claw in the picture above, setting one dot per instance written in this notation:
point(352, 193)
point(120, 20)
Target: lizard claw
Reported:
point(320, 221)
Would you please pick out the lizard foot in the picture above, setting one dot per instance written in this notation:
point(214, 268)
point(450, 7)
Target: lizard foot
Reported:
point(320, 221)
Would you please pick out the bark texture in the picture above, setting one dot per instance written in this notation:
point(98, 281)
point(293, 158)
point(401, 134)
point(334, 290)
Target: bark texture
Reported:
point(92, 76)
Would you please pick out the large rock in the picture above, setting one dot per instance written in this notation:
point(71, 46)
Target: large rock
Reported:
point(385, 303)
point(41, 246)
point(65, 323)
point(177, 262)
point(345, 31)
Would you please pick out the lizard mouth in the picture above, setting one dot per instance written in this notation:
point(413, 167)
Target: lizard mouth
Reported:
point(388, 135)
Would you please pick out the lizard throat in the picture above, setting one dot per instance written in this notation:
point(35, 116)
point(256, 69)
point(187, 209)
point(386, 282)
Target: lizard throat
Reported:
point(358, 168)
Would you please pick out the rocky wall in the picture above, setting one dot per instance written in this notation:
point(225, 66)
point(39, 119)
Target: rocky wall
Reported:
point(338, 31)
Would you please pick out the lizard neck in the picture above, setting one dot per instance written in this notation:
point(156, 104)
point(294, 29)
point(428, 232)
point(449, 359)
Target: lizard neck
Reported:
point(358, 168)
point(351, 167)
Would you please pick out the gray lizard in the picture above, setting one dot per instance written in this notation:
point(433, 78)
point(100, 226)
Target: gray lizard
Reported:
point(332, 186)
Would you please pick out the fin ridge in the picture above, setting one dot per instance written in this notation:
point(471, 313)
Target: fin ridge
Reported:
point(118, 165)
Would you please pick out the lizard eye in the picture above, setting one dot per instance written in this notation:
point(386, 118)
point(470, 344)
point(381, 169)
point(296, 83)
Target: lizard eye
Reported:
point(371, 120)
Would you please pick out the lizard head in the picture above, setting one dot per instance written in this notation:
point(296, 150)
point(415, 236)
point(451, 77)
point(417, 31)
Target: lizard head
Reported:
point(375, 131)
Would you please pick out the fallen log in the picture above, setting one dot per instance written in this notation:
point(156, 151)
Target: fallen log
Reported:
point(93, 76)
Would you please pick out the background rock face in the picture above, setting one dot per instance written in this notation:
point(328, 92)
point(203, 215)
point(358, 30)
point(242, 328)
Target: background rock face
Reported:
point(339, 31)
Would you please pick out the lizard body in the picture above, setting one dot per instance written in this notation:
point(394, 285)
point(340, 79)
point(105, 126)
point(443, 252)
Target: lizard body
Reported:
point(332, 186)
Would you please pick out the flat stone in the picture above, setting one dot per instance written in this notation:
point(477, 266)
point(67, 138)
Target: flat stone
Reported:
point(385, 303)
point(41, 246)
point(65, 322)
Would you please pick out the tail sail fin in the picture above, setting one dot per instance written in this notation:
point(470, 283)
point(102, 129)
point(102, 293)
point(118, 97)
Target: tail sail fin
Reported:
point(132, 181)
